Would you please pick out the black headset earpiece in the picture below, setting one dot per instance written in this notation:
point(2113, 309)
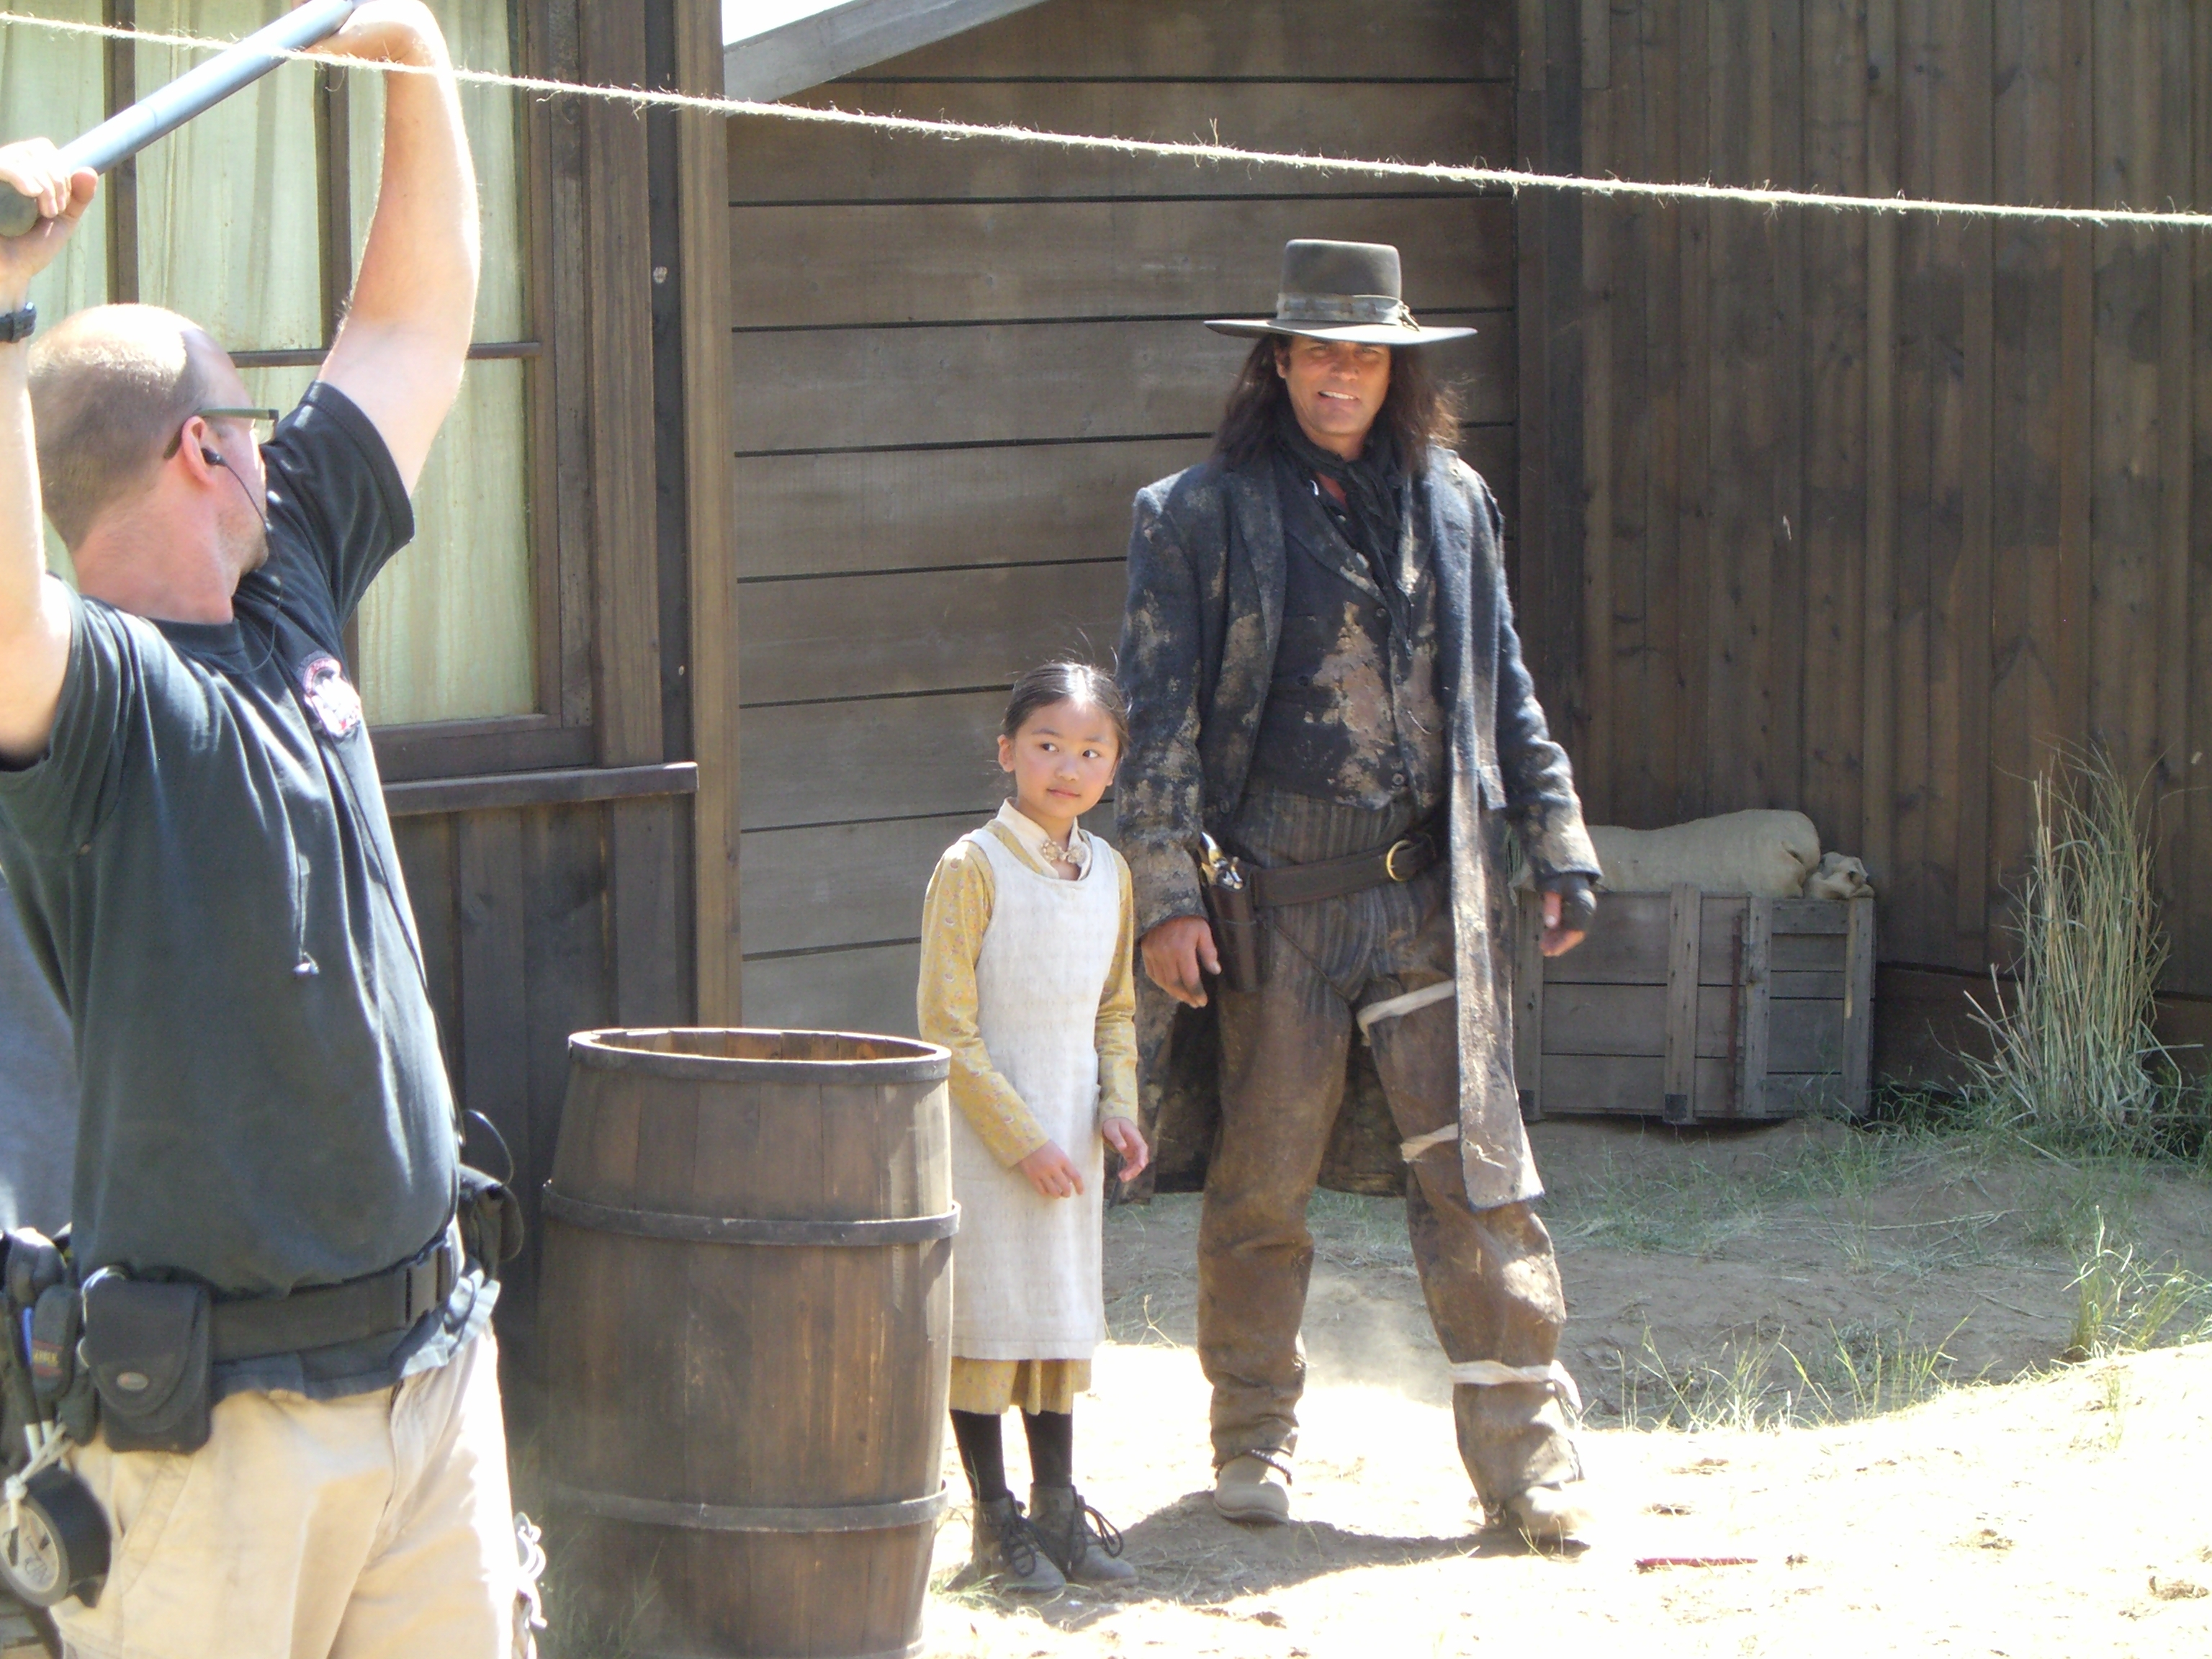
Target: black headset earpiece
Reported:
point(211, 458)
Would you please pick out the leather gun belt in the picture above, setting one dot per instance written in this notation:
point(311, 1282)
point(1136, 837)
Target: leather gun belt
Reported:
point(1409, 856)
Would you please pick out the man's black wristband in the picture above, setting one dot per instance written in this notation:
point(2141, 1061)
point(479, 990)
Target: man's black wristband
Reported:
point(16, 326)
point(1577, 903)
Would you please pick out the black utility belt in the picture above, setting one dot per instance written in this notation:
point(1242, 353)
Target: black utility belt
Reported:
point(381, 1304)
point(149, 1346)
point(132, 1361)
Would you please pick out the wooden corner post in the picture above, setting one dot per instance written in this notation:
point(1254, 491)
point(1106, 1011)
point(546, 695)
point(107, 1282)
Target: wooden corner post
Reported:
point(1686, 922)
point(1754, 1009)
point(702, 183)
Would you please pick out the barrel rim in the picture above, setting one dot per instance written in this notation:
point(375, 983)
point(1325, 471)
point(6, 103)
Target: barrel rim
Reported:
point(913, 1650)
point(596, 1050)
point(791, 1231)
point(884, 1517)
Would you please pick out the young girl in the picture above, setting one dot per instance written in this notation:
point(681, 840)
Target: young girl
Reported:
point(1026, 976)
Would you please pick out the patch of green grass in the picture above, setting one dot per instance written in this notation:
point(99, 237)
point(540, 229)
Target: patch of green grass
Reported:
point(1663, 1208)
point(1865, 1370)
point(1759, 1381)
point(1740, 1389)
point(2123, 1304)
point(1858, 1165)
point(1358, 1233)
point(1677, 1206)
point(2074, 1205)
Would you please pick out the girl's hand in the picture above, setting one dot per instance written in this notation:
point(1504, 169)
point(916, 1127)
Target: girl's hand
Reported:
point(1127, 1139)
point(1052, 1172)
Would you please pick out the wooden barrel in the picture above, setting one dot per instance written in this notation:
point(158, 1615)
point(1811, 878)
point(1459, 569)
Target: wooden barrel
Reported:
point(747, 1316)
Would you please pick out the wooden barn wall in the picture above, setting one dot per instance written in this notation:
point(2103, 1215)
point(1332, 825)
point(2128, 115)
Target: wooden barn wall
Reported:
point(516, 914)
point(955, 363)
point(1871, 516)
point(552, 901)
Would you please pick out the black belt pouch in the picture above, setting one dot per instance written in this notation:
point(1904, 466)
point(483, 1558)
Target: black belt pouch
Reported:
point(147, 1346)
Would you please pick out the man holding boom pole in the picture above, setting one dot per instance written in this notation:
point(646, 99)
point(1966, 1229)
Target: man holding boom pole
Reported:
point(285, 1399)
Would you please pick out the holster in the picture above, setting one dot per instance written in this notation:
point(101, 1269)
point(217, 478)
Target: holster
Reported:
point(40, 1380)
point(491, 1220)
point(1227, 886)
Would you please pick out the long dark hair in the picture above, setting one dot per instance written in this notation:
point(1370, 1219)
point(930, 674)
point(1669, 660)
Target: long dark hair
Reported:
point(1417, 410)
point(1078, 683)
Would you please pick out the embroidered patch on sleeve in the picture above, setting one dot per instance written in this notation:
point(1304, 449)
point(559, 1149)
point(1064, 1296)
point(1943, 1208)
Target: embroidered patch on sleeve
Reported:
point(330, 696)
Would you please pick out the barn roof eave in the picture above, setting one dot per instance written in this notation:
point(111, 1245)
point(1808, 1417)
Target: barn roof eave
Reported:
point(782, 46)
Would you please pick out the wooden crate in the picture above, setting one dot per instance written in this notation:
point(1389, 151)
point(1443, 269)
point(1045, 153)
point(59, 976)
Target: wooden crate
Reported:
point(1693, 1007)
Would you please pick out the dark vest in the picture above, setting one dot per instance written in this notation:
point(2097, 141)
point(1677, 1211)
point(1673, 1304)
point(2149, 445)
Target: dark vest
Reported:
point(1353, 713)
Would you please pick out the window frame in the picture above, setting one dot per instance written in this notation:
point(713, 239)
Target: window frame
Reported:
point(559, 732)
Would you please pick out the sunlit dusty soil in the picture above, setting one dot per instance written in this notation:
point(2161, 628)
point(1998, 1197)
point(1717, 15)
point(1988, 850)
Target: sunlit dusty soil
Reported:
point(1817, 1279)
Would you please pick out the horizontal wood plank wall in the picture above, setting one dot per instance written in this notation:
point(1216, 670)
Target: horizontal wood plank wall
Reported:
point(1879, 516)
point(955, 363)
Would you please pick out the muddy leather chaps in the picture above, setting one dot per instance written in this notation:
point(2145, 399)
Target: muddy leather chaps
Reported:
point(1491, 1280)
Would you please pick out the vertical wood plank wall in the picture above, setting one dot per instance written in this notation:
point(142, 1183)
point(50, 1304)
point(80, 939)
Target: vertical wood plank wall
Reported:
point(539, 921)
point(954, 364)
point(1876, 516)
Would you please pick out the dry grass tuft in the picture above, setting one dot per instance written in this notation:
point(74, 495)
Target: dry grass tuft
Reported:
point(2075, 1062)
point(1760, 1382)
point(2125, 1305)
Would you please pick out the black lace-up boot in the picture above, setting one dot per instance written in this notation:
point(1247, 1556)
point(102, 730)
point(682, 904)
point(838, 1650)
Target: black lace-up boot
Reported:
point(1007, 1550)
point(1083, 1544)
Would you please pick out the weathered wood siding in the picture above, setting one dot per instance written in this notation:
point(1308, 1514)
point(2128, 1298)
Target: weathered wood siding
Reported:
point(556, 901)
point(954, 363)
point(520, 937)
point(1872, 516)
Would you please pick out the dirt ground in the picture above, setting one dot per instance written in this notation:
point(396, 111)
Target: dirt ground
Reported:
point(1830, 1352)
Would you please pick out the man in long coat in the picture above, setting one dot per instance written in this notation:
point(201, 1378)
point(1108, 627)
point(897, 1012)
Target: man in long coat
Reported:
point(1325, 683)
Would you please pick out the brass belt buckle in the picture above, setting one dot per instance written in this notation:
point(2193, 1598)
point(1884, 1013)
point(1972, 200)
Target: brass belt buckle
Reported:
point(1410, 844)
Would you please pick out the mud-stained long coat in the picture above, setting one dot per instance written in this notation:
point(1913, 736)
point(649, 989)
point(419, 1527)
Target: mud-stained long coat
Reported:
point(1198, 649)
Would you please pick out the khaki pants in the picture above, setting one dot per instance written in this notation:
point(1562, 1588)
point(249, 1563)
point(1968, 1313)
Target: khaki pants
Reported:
point(1491, 1280)
point(374, 1527)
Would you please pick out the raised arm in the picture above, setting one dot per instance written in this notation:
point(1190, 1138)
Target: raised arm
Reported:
point(34, 627)
point(400, 350)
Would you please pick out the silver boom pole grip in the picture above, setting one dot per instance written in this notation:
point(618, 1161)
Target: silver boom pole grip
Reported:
point(194, 93)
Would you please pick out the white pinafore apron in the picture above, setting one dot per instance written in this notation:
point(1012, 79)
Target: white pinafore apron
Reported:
point(1026, 1268)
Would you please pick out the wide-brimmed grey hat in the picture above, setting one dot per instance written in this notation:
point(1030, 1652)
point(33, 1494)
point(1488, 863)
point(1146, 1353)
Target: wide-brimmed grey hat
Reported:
point(1341, 291)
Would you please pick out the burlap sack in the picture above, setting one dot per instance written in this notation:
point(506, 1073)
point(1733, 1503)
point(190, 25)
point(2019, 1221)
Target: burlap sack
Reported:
point(1767, 855)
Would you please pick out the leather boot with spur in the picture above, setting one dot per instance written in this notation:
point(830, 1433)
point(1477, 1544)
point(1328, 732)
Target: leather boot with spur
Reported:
point(1005, 1550)
point(1083, 1544)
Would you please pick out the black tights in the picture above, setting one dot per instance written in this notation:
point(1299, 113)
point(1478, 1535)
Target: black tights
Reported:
point(983, 1453)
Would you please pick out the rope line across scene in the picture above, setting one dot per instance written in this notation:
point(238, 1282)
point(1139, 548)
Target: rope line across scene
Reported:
point(1512, 178)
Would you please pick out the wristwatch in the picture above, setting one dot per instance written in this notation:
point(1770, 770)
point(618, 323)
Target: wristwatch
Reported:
point(18, 325)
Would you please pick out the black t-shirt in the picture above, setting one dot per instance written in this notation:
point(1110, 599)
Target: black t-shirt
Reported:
point(208, 874)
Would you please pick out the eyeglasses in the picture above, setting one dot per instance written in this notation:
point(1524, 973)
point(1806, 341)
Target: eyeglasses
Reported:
point(262, 420)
